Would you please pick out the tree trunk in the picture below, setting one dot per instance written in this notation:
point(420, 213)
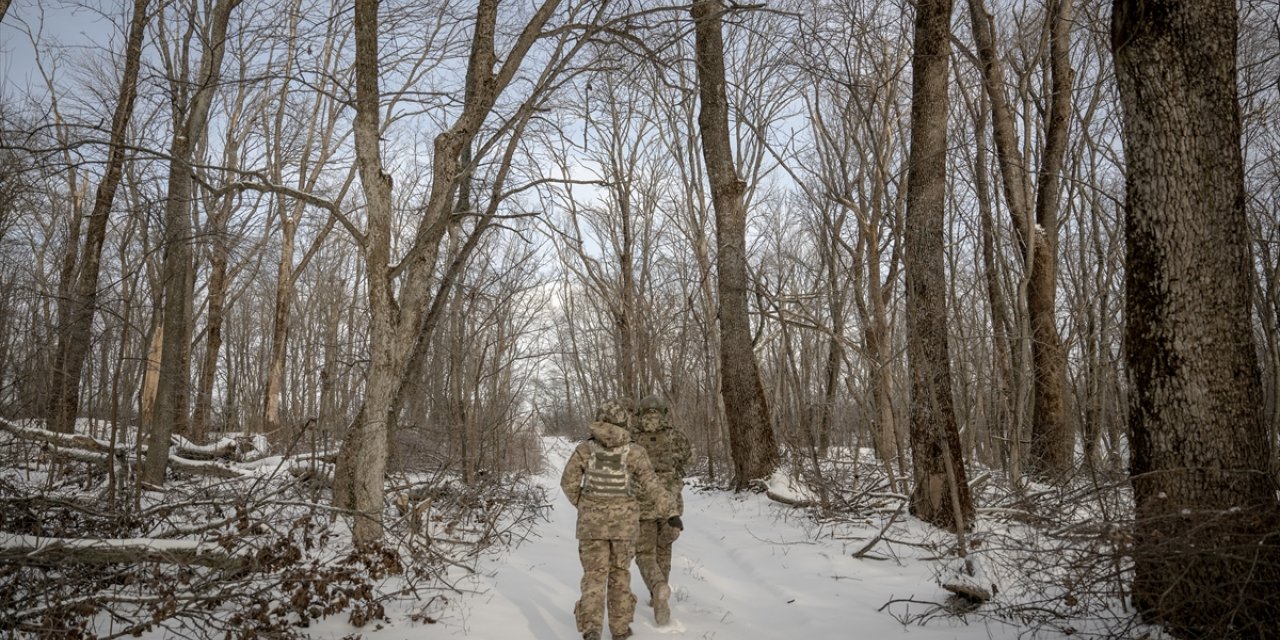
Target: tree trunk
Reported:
point(1051, 449)
point(74, 336)
point(1206, 548)
point(398, 329)
point(1052, 442)
point(171, 387)
point(751, 438)
point(280, 323)
point(935, 439)
point(213, 341)
point(363, 461)
point(1002, 394)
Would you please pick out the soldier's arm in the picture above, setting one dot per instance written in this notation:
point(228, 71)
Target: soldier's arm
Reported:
point(571, 478)
point(683, 451)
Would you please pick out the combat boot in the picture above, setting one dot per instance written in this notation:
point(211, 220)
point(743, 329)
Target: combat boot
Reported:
point(662, 604)
point(622, 636)
point(591, 635)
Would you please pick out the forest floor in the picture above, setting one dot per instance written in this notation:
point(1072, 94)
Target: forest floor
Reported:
point(746, 568)
point(502, 564)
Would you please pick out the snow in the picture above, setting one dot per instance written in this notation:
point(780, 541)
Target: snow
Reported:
point(746, 568)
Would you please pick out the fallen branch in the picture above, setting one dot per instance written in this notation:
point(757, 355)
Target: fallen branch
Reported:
point(860, 553)
point(793, 502)
point(38, 550)
point(56, 438)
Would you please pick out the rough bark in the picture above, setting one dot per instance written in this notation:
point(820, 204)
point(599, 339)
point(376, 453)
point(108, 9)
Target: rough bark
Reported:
point(1207, 538)
point(751, 440)
point(941, 493)
point(171, 386)
point(74, 336)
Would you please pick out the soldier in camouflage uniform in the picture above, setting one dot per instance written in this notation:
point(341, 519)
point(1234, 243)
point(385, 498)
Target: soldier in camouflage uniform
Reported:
point(603, 479)
point(669, 451)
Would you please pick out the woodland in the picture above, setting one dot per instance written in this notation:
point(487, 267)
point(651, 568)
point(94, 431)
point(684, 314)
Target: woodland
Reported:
point(278, 279)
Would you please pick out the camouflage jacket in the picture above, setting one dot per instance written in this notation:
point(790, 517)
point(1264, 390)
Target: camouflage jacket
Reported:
point(612, 517)
point(670, 452)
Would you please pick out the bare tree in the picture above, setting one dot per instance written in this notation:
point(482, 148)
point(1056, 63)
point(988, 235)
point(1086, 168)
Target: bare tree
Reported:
point(191, 120)
point(82, 302)
point(1205, 550)
point(1051, 439)
point(754, 450)
point(396, 326)
point(941, 493)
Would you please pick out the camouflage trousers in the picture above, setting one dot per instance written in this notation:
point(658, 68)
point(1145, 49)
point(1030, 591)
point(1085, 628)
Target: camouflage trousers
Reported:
point(653, 552)
point(606, 575)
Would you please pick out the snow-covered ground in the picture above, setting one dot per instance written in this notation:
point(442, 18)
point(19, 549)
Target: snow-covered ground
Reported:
point(746, 568)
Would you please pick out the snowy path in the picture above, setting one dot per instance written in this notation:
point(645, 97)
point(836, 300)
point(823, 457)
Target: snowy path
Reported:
point(740, 572)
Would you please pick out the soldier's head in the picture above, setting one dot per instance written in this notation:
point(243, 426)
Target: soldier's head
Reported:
point(651, 413)
point(614, 412)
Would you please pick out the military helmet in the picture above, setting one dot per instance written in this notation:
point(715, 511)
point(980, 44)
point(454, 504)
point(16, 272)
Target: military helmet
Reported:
point(652, 403)
point(613, 412)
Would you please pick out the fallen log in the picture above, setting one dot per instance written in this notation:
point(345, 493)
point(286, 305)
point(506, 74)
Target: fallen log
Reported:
point(38, 550)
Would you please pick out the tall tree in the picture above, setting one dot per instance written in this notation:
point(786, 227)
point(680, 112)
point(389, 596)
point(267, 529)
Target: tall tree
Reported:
point(399, 328)
point(82, 301)
point(1051, 437)
point(1206, 547)
point(751, 439)
point(941, 493)
point(191, 127)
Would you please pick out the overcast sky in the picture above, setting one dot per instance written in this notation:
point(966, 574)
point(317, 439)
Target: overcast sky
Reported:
point(67, 32)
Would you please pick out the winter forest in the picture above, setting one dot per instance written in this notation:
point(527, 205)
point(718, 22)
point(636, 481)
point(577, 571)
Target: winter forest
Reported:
point(301, 302)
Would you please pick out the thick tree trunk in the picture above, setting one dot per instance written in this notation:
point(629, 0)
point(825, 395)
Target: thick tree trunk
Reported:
point(751, 439)
point(935, 439)
point(1207, 543)
point(1052, 442)
point(171, 387)
point(75, 334)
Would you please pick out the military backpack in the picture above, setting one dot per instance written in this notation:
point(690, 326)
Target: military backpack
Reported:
point(659, 446)
point(607, 475)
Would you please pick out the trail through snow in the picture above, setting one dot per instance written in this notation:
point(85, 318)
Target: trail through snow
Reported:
point(743, 570)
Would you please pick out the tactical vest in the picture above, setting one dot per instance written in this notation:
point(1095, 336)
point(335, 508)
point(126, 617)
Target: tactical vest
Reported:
point(607, 475)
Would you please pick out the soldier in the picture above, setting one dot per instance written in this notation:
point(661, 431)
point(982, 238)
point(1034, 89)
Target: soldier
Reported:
point(669, 451)
point(602, 479)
